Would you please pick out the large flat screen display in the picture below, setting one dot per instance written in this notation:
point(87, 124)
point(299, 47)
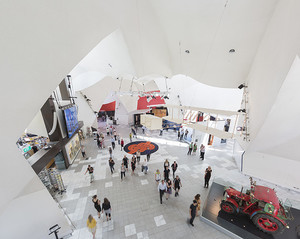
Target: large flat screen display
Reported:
point(71, 120)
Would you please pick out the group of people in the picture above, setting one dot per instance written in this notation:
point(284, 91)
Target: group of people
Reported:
point(106, 208)
point(193, 150)
point(165, 185)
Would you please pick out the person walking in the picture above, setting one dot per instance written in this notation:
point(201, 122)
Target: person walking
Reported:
point(145, 166)
point(113, 142)
point(123, 169)
point(177, 185)
point(143, 129)
point(157, 176)
point(115, 135)
point(174, 167)
point(193, 208)
point(111, 163)
point(110, 152)
point(97, 205)
point(207, 176)
point(148, 152)
point(107, 131)
point(166, 164)
point(106, 208)
point(133, 164)
point(202, 151)
point(130, 137)
point(166, 174)
point(122, 144)
point(90, 169)
point(190, 148)
point(138, 156)
point(92, 225)
point(169, 188)
point(197, 198)
point(178, 134)
point(125, 161)
point(162, 187)
point(195, 148)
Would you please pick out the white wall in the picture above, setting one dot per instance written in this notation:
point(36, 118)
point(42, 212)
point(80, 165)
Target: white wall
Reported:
point(274, 113)
point(194, 93)
point(40, 43)
point(37, 126)
point(85, 113)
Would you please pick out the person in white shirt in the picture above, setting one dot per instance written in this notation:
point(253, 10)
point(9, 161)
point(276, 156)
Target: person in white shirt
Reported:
point(145, 166)
point(202, 151)
point(162, 187)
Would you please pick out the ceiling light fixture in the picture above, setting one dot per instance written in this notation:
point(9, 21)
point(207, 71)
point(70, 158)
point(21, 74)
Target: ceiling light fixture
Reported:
point(232, 51)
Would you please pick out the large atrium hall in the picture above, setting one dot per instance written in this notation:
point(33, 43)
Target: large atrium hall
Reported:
point(150, 119)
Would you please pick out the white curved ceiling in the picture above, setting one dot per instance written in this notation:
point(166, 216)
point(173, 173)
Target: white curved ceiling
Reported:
point(151, 37)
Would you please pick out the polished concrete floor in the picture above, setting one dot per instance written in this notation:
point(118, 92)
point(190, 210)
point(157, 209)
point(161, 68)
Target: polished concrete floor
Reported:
point(136, 210)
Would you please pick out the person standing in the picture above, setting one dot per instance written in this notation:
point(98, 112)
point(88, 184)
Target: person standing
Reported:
point(91, 173)
point(193, 208)
point(107, 131)
point(97, 205)
point(195, 148)
point(157, 176)
point(130, 137)
point(174, 167)
point(113, 142)
point(177, 185)
point(133, 164)
point(181, 134)
point(197, 198)
point(166, 174)
point(83, 151)
point(162, 187)
point(178, 134)
point(207, 176)
point(190, 148)
point(125, 161)
point(138, 156)
point(111, 165)
point(123, 169)
point(202, 151)
point(92, 225)
point(106, 208)
point(122, 144)
point(166, 164)
point(115, 135)
point(143, 129)
point(169, 188)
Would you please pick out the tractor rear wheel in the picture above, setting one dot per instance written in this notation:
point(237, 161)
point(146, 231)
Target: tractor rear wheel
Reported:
point(267, 223)
point(228, 207)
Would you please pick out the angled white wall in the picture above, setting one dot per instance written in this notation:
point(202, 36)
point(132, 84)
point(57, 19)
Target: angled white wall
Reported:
point(274, 101)
point(40, 43)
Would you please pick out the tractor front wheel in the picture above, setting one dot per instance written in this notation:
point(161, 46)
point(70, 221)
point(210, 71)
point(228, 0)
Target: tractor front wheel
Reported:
point(267, 223)
point(228, 207)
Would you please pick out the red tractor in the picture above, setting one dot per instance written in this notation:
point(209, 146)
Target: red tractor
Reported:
point(261, 204)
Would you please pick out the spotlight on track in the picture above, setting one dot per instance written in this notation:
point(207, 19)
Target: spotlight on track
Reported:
point(242, 110)
point(241, 86)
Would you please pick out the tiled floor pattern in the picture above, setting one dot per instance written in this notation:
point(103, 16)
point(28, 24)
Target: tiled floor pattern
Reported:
point(136, 211)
